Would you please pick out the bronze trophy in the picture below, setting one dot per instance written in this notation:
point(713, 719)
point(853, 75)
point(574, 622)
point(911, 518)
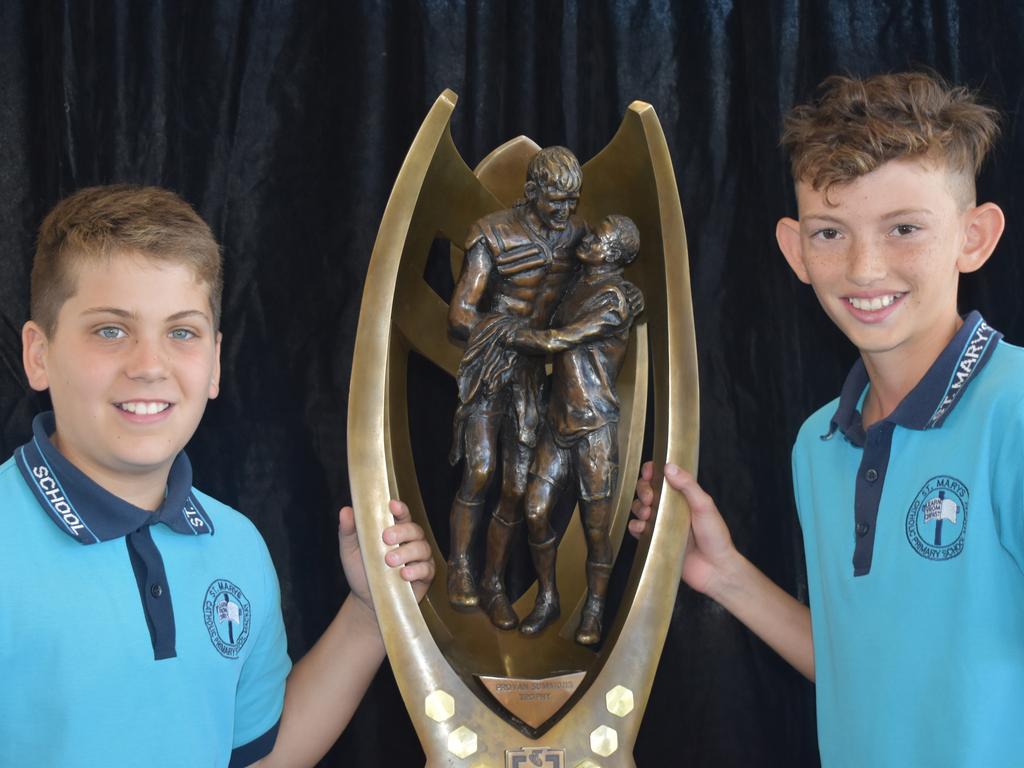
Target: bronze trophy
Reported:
point(583, 270)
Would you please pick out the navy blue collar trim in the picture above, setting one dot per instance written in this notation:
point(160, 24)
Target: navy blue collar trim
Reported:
point(933, 399)
point(89, 513)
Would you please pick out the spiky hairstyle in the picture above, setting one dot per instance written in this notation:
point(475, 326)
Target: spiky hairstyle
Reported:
point(854, 125)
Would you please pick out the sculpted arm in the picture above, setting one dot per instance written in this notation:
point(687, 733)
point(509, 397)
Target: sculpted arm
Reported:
point(611, 314)
point(462, 312)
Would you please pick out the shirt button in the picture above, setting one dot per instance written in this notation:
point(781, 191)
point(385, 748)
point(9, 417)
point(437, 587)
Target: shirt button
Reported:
point(156, 590)
point(871, 475)
point(862, 529)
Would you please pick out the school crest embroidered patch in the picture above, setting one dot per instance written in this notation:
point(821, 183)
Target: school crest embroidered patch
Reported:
point(228, 616)
point(937, 519)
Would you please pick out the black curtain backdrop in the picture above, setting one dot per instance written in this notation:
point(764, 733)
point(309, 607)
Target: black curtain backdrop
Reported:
point(285, 124)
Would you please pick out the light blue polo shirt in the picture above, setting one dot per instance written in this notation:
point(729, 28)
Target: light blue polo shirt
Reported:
point(130, 638)
point(914, 537)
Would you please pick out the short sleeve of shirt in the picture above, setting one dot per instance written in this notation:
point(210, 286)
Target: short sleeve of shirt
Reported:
point(810, 433)
point(259, 699)
point(796, 481)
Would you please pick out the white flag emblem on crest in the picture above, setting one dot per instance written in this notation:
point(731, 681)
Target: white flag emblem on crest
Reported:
point(940, 509)
point(228, 611)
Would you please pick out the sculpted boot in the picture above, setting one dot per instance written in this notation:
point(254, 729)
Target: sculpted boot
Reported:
point(461, 584)
point(546, 609)
point(493, 598)
point(589, 631)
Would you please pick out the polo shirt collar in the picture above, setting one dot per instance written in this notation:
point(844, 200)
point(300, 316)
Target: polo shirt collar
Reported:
point(933, 399)
point(89, 513)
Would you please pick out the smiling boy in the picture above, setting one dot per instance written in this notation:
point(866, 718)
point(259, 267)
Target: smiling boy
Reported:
point(139, 618)
point(909, 486)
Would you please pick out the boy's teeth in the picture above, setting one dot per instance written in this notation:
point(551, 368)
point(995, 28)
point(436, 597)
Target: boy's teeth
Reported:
point(878, 302)
point(144, 409)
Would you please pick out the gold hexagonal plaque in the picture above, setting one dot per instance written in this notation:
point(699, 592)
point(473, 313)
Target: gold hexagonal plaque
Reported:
point(604, 741)
point(439, 706)
point(462, 742)
point(619, 701)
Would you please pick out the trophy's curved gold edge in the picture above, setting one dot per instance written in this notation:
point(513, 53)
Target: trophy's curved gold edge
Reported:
point(639, 107)
point(403, 627)
point(683, 438)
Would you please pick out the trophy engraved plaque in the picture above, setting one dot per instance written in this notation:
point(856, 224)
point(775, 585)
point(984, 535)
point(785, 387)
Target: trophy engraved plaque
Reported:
point(485, 688)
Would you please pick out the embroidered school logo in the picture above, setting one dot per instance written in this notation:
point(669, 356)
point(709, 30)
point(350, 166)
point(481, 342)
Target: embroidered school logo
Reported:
point(937, 519)
point(228, 616)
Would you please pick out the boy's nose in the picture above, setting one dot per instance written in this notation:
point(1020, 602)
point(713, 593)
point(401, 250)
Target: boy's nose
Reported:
point(865, 263)
point(146, 361)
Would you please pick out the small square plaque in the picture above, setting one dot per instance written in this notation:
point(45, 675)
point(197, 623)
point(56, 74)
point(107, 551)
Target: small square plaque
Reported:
point(535, 757)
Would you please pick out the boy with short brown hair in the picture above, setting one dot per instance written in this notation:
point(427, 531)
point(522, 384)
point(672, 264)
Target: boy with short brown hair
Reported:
point(139, 618)
point(915, 634)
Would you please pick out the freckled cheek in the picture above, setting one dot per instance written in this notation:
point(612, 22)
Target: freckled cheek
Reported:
point(826, 271)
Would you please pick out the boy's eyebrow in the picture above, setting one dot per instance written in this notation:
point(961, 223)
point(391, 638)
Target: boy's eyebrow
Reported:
point(187, 313)
point(891, 215)
point(118, 312)
point(907, 212)
point(110, 311)
point(822, 217)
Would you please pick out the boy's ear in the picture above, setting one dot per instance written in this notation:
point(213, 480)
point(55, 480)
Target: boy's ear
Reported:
point(215, 374)
point(787, 233)
point(34, 346)
point(985, 224)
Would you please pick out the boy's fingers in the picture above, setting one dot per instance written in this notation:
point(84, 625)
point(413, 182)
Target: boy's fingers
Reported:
point(641, 510)
point(676, 477)
point(402, 532)
point(637, 527)
point(346, 521)
point(410, 552)
point(400, 511)
point(644, 492)
point(402, 529)
point(422, 571)
point(696, 496)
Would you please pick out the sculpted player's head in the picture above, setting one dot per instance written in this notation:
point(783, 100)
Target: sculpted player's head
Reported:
point(553, 181)
point(884, 170)
point(125, 306)
point(616, 241)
